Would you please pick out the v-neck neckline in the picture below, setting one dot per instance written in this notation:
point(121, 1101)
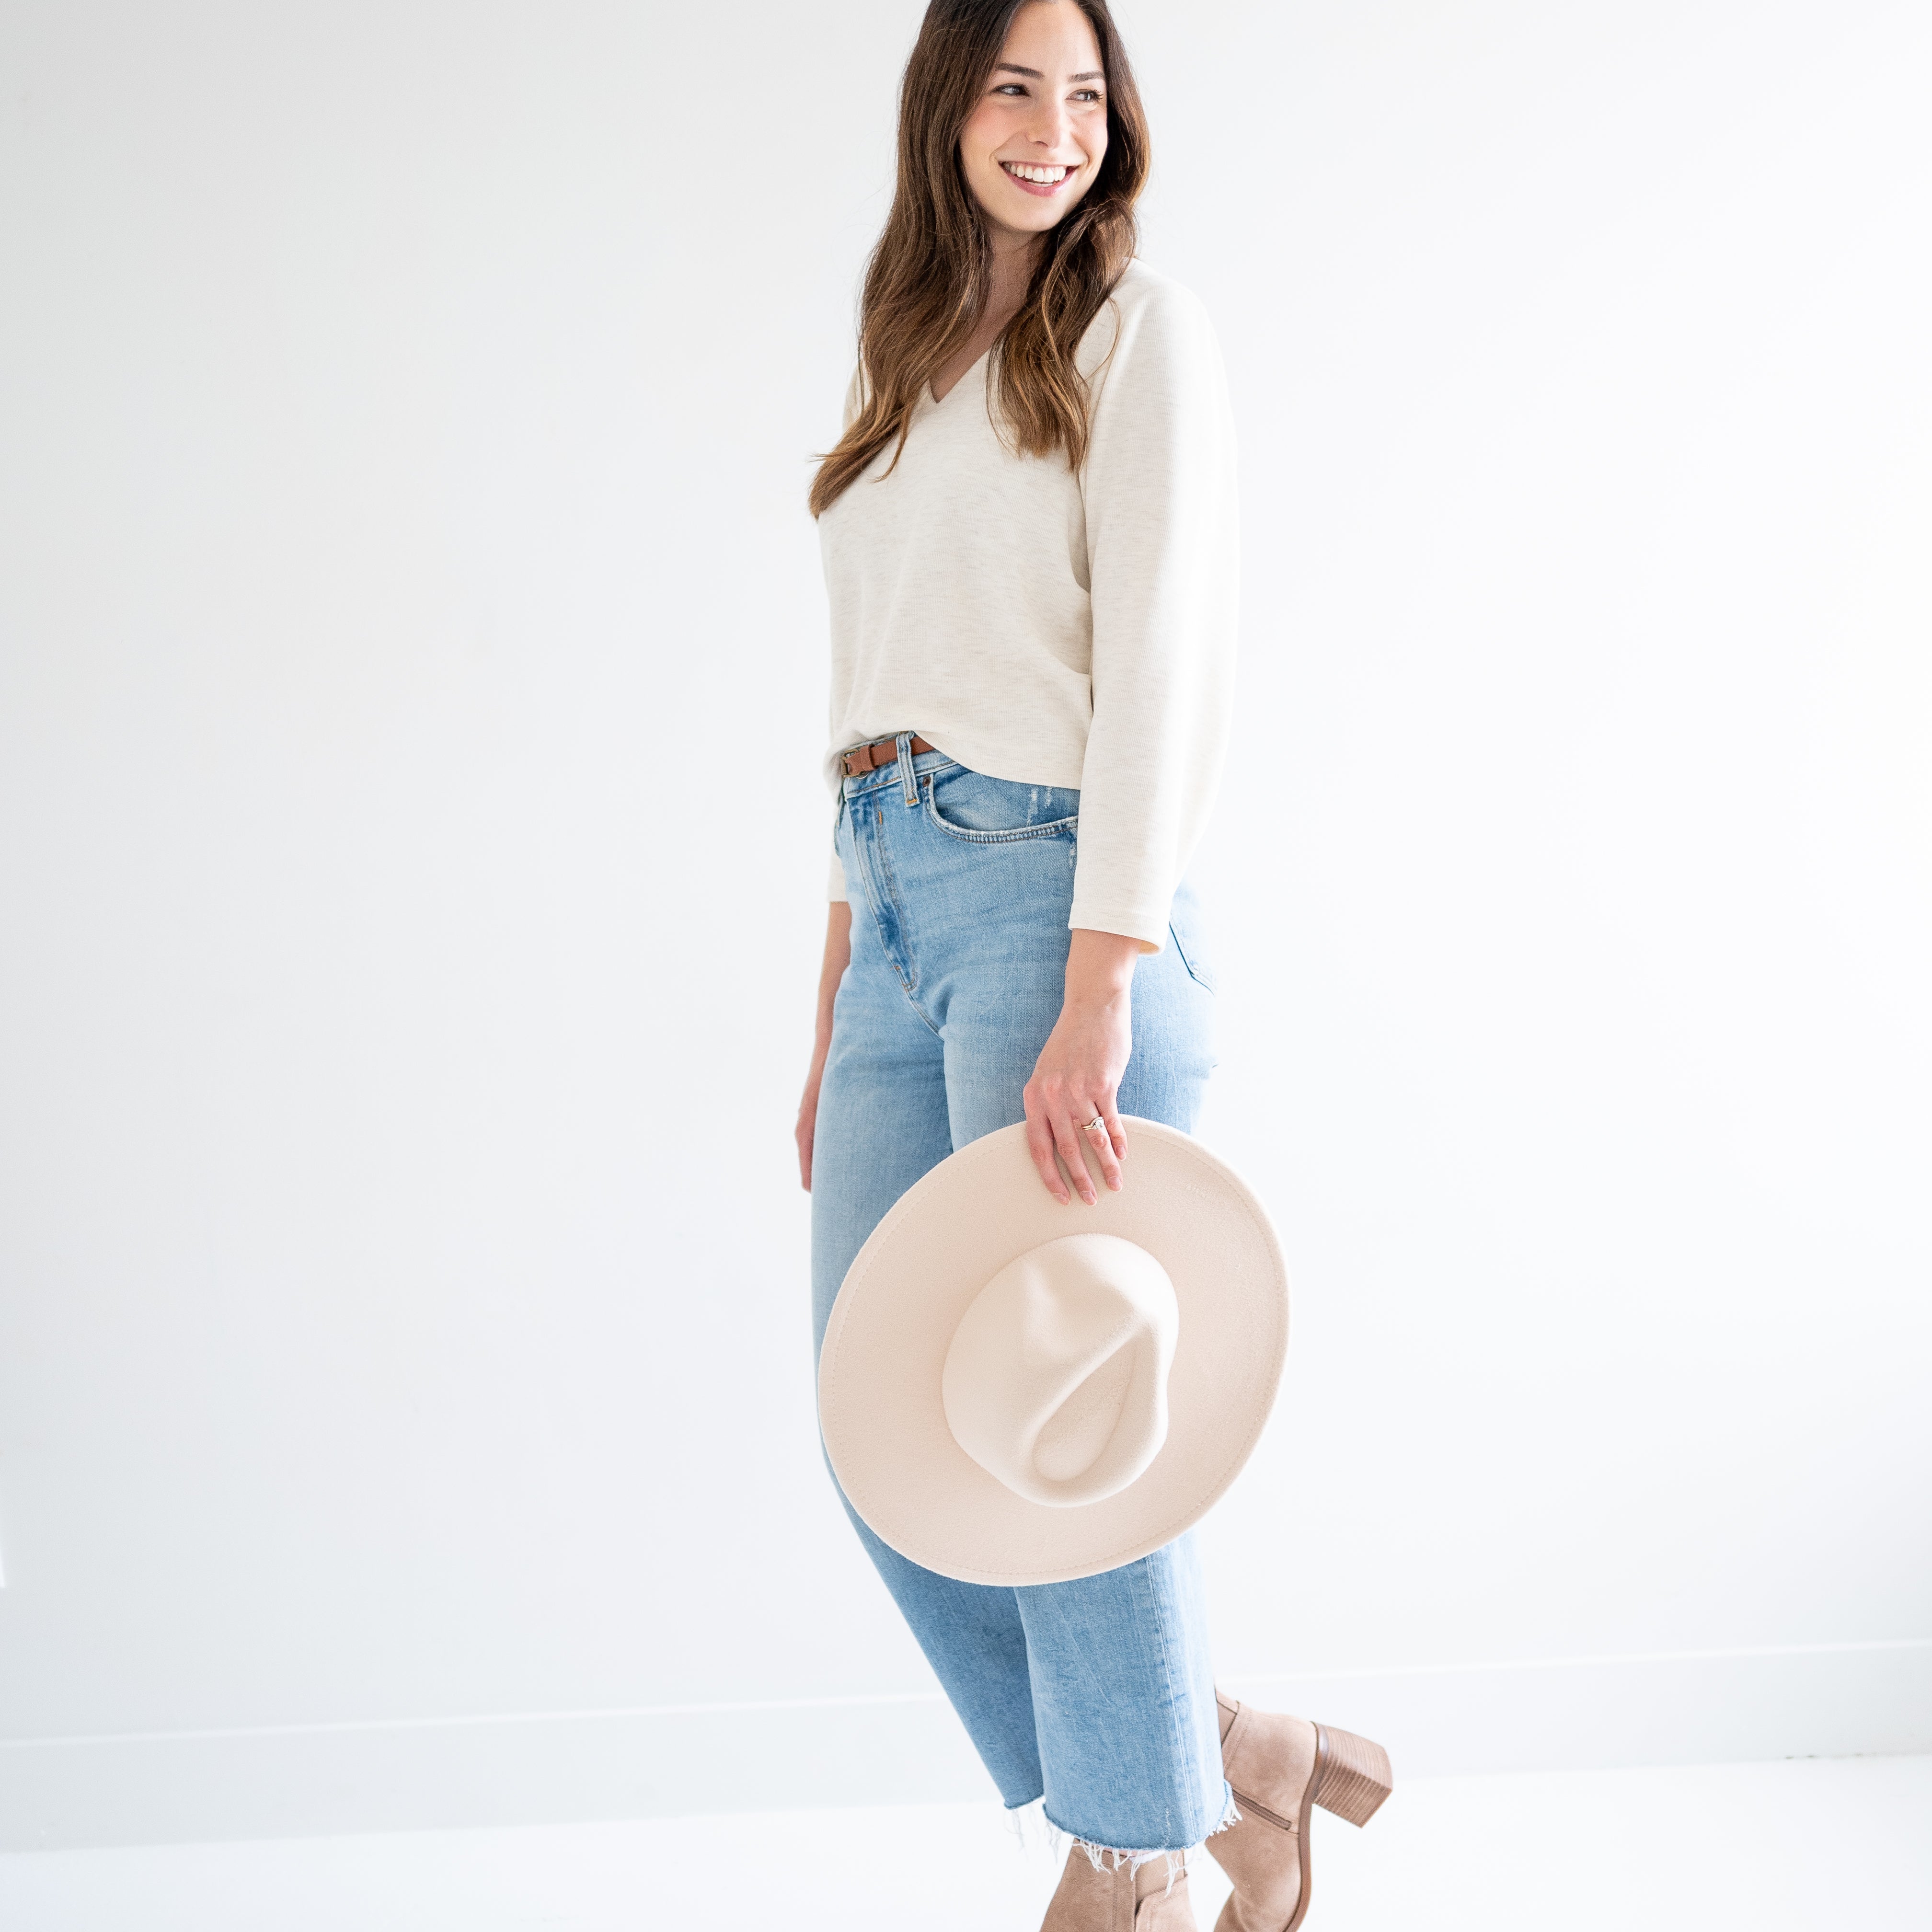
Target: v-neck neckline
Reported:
point(978, 362)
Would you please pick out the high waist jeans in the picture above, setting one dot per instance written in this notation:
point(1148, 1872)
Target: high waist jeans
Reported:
point(1096, 1694)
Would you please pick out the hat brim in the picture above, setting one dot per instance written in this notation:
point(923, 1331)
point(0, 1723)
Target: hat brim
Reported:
point(879, 1375)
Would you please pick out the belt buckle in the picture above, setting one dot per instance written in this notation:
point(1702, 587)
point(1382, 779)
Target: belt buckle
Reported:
point(853, 770)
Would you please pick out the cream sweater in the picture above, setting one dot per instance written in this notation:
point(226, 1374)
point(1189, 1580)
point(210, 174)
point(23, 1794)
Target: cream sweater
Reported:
point(1054, 629)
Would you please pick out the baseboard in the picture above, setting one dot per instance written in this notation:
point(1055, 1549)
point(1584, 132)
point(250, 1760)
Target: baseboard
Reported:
point(1593, 1713)
point(299, 1781)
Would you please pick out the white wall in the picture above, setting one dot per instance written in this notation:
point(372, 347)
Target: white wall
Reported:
point(411, 681)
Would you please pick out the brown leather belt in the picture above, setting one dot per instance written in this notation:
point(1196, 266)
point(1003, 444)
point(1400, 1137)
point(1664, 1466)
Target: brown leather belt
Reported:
point(864, 758)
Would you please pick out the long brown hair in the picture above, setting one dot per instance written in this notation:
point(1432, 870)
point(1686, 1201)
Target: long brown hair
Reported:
point(927, 283)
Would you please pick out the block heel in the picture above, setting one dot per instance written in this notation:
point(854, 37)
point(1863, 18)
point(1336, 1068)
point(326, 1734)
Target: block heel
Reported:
point(1351, 1775)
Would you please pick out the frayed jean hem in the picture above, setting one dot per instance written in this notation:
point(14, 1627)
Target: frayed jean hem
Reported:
point(1030, 1821)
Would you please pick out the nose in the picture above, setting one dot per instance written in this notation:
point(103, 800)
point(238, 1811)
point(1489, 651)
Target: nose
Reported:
point(1051, 126)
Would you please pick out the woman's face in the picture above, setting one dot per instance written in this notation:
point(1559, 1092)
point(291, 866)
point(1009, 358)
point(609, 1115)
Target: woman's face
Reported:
point(1033, 145)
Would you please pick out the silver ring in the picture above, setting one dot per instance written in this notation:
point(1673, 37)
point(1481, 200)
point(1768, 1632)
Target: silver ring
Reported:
point(1095, 1122)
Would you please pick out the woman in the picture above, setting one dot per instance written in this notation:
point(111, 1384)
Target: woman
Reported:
point(1028, 529)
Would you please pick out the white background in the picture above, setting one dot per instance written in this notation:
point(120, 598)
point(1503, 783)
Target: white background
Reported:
point(411, 691)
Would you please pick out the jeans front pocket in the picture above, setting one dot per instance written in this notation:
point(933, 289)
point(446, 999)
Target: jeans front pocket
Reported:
point(1187, 930)
point(969, 806)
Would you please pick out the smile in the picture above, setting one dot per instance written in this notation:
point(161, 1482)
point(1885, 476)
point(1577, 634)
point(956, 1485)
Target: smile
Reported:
point(1037, 180)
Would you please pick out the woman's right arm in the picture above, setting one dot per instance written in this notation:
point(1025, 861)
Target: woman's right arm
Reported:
point(838, 956)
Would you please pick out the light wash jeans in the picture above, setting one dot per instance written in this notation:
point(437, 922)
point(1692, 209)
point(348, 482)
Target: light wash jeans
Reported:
point(1096, 1694)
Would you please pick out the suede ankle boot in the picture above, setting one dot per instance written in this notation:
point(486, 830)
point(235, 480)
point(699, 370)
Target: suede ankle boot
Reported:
point(1113, 1899)
point(1280, 1768)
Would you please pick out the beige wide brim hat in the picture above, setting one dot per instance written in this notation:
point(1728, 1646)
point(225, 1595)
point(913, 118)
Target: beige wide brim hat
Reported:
point(1014, 1391)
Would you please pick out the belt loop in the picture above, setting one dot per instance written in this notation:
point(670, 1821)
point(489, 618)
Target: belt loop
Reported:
point(907, 782)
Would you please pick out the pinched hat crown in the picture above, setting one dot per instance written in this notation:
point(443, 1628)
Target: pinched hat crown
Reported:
point(1056, 1379)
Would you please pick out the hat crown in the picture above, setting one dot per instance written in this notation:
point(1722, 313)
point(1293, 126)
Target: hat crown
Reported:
point(1055, 1381)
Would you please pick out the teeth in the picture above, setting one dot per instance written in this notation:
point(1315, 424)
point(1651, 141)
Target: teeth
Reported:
point(1032, 174)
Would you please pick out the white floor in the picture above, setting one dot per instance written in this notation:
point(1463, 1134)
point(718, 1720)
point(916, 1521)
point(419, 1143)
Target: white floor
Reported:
point(1838, 1845)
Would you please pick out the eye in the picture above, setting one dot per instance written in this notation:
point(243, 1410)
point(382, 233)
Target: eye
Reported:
point(1010, 87)
point(1086, 94)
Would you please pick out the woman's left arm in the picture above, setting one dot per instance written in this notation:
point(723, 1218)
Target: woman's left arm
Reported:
point(1078, 1072)
point(1159, 490)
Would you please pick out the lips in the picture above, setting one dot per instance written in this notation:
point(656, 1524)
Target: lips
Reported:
point(1036, 179)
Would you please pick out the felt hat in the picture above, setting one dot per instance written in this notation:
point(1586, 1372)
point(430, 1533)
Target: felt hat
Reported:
point(1012, 1391)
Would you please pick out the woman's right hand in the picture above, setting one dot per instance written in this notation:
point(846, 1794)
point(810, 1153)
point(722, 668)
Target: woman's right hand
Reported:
point(832, 969)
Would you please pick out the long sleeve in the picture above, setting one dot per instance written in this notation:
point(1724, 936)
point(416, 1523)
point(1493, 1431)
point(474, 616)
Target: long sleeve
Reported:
point(1053, 627)
point(1162, 556)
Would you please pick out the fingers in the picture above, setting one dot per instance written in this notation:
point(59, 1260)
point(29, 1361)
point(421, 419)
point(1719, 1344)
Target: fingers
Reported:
point(1067, 1137)
point(1039, 1144)
point(1087, 1137)
point(1108, 1140)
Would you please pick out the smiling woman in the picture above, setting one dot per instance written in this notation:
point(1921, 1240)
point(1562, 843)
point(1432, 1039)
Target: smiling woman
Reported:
point(1022, 150)
point(1028, 109)
point(1028, 529)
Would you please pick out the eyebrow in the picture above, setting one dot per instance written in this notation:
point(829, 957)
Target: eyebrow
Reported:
point(1034, 73)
